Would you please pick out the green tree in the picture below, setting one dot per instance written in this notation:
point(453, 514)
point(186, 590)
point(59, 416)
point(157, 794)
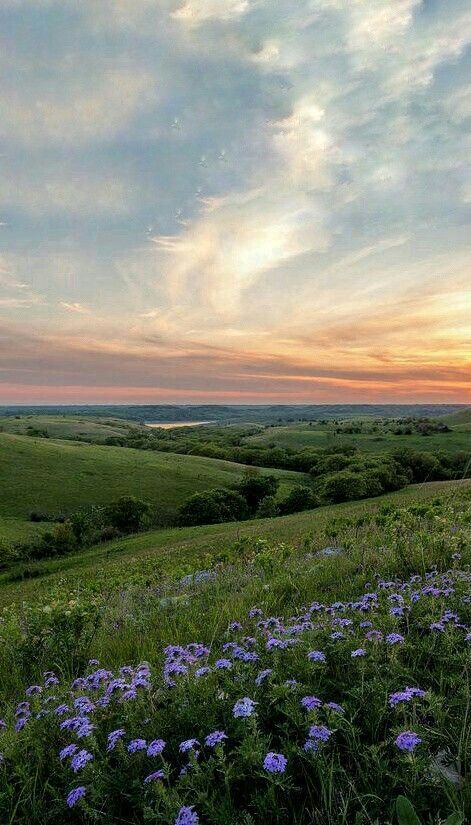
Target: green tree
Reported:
point(128, 514)
point(299, 498)
point(344, 486)
point(212, 507)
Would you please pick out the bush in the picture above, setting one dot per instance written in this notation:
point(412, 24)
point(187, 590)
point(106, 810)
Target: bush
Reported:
point(128, 514)
point(300, 498)
point(254, 487)
point(344, 486)
point(213, 507)
point(268, 507)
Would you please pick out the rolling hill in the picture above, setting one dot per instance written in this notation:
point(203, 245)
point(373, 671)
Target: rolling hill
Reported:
point(61, 477)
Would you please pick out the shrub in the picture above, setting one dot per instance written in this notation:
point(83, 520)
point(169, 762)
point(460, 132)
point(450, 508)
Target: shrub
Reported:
point(212, 507)
point(254, 487)
point(299, 498)
point(344, 486)
point(128, 514)
point(268, 507)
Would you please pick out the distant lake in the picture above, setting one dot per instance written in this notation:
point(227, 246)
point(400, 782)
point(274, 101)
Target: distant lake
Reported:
point(170, 425)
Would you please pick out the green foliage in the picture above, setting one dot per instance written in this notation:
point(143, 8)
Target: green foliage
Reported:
point(268, 507)
point(128, 514)
point(405, 812)
point(299, 499)
point(254, 487)
point(344, 486)
point(213, 507)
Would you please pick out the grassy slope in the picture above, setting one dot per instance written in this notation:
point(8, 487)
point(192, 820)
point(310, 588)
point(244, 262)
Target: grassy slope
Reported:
point(186, 549)
point(67, 426)
point(298, 436)
point(457, 418)
point(61, 476)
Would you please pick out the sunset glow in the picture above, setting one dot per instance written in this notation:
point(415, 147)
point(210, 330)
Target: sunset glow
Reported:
point(234, 201)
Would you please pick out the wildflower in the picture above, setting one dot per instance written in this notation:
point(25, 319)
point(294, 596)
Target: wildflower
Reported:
point(316, 656)
point(262, 676)
point(202, 671)
point(61, 710)
point(374, 636)
point(234, 626)
point(187, 816)
point(69, 750)
point(275, 762)
point(320, 732)
point(137, 745)
point(188, 745)
point(335, 707)
point(437, 626)
point(153, 777)
point(243, 708)
point(156, 747)
point(75, 795)
point(223, 664)
point(113, 738)
point(356, 654)
point(33, 689)
point(394, 638)
point(215, 738)
point(311, 702)
point(405, 695)
point(80, 760)
point(408, 741)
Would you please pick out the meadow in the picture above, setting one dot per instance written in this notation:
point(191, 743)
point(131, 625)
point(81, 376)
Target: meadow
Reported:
point(61, 477)
point(315, 670)
point(306, 668)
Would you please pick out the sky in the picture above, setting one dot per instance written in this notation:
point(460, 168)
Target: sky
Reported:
point(247, 201)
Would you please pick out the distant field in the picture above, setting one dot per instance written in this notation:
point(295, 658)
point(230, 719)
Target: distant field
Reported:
point(177, 551)
point(458, 418)
point(66, 426)
point(64, 476)
point(298, 436)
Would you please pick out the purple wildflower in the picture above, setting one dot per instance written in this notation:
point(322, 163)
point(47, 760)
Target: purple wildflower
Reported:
point(356, 654)
point(75, 795)
point(153, 777)
point(335, 707)
point(114, 737)
point(394, 638)
point(320, 732)
point(223, 664)
point(187, 816)
point(243, 708)
point(69, 750)
point(408, 741)
point(80, 760)
point(311, 702)
point(405, 695)
point(215, 738)
point(188, 745)
point(275, 762)
point(262, 676)
point(156, 747)
point(137, 745)
point(316, 656)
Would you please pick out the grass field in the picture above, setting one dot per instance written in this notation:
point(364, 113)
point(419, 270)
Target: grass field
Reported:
point(298, 436)
point(158, 553)
point(56, 476)
point(67, 426)
point(321, 651)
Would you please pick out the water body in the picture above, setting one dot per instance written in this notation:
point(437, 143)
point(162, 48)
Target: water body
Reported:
point(170, 425)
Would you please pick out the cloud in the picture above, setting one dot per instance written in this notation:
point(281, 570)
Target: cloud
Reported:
point(195, 12)
point(74, 307)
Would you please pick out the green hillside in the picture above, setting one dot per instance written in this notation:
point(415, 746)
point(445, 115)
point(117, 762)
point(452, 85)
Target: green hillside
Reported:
point(67, 426)
point(457, 418)
point(63, 476)
point(349, 668)
point(173, 551)
point(298, 436)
